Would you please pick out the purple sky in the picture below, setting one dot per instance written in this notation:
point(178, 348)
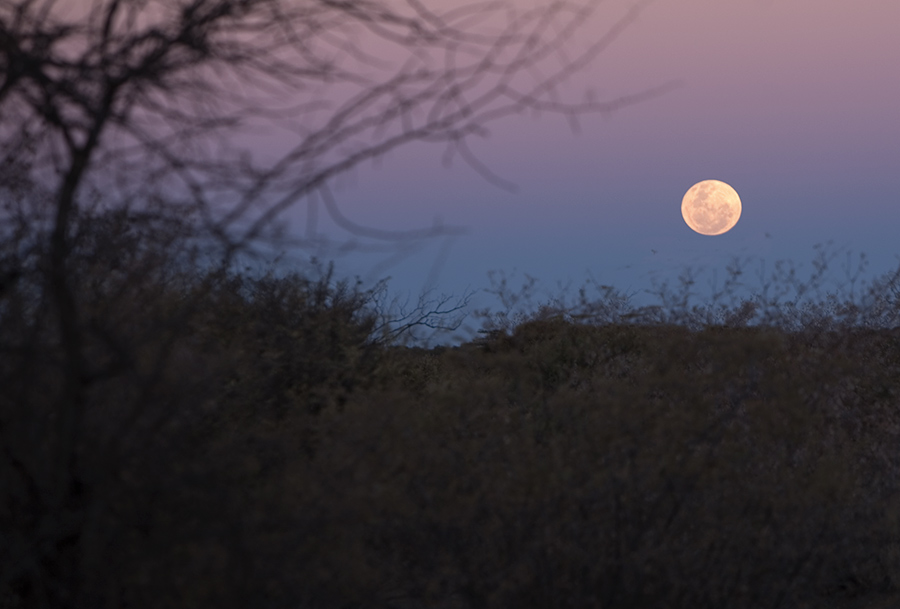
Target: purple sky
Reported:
point(795, 103)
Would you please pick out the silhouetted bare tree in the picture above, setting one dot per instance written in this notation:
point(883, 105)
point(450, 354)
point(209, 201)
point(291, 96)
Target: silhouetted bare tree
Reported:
point(129, 141)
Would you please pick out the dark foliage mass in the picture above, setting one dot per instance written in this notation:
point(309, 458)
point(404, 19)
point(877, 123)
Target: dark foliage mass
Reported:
point(179, 431)
point(262, 443)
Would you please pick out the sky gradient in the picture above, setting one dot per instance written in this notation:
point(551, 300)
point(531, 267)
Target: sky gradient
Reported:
point(795, 103)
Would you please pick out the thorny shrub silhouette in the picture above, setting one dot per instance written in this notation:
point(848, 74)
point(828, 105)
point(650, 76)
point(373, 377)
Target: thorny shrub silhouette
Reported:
point(268, 447)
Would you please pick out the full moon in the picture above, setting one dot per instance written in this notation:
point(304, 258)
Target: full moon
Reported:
point(711, 207)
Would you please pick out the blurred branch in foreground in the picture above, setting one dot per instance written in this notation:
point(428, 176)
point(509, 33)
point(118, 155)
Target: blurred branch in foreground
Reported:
point(144, 145)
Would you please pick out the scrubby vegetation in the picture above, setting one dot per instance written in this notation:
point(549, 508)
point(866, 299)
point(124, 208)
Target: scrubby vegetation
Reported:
point(179, 431)
point(264, 440)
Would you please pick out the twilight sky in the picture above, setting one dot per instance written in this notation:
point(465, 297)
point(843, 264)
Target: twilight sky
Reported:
point(795, 103)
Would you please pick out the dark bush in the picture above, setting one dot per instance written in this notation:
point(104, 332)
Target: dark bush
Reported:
point(253, 440)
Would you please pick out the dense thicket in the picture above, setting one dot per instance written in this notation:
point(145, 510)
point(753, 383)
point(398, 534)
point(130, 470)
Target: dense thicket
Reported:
point(259, 444)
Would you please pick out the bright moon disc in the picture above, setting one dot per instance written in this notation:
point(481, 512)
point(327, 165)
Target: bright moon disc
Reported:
point(711, 207)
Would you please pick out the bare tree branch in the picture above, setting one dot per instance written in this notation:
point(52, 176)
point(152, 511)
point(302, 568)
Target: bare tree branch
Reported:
point(216, 116)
